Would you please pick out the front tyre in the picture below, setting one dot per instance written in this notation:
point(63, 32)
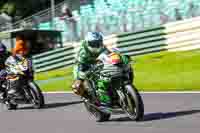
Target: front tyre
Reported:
point(36, 95)
point(134, 103)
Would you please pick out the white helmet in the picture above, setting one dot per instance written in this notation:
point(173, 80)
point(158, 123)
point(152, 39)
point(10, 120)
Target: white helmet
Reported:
point(95, 42)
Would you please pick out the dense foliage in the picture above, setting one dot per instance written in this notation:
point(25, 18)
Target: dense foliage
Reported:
point(17, 10)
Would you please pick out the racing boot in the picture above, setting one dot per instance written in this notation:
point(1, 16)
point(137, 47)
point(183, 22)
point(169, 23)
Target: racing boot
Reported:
point(78, 87)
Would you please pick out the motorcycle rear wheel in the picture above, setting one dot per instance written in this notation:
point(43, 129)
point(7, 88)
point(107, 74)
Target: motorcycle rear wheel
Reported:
point(99, 115)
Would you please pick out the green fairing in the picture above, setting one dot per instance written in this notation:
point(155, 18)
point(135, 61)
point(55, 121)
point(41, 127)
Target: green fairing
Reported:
point(104, 98)
point(103, 84)
point(102, 92)
point(124, 59)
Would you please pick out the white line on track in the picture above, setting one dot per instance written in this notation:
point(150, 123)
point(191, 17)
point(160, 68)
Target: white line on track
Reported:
point(153, 92)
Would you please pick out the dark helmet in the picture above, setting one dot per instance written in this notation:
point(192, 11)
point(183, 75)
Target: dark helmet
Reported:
point(95, 42)
point(3, 48)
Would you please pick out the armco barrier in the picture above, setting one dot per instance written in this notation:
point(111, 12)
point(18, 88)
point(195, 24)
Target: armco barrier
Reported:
point(180, 35)
point(53, 59)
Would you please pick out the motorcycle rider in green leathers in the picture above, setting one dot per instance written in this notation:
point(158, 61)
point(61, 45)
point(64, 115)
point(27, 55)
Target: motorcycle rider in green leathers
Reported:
point(88, 53)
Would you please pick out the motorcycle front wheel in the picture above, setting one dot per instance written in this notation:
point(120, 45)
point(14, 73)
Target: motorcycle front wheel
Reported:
point(134, 103)
point(36, 95)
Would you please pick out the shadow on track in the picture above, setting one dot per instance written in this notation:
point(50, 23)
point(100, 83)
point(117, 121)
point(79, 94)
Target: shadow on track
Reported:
point(168, 115)
point(53, 105)
point(159, 116)
point(57, 105)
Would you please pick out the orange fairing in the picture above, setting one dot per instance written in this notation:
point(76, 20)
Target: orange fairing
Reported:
point(114, 58)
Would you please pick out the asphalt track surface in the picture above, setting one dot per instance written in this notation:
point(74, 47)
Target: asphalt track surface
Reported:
point(65, 113)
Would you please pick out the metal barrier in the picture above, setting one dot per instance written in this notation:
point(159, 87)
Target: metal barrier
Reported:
point(58, 58)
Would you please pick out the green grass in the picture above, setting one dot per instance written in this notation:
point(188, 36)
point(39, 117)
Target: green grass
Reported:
point(164, 71)
point(168, 71)
point(61, 79)
point(66, 72)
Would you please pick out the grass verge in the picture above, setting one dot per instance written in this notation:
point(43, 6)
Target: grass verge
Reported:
point(164, 71)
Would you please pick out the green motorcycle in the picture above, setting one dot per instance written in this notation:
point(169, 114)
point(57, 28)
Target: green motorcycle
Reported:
point(123, 93)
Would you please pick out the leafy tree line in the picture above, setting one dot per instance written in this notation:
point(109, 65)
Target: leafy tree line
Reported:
point(19, 9)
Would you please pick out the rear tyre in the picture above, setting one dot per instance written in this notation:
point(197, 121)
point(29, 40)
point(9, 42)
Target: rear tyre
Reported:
point(37, 96)
point(134, 103)
point(99, 115)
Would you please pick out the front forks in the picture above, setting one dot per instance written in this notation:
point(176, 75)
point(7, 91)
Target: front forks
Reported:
point(121, 99)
